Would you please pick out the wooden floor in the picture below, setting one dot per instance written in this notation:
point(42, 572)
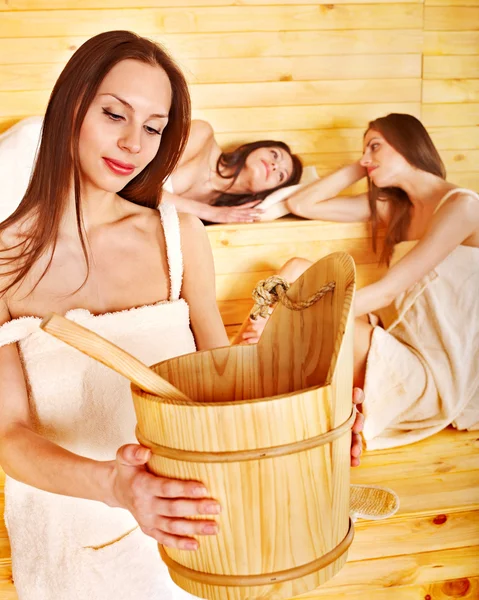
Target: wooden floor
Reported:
point(428, 551)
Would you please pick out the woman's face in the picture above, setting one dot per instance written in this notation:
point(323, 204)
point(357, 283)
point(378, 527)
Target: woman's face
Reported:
point(385, 166)
point(121, 132)
point(266, 168)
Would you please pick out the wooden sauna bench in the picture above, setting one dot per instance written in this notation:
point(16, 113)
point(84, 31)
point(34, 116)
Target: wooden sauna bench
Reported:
point(430, 549)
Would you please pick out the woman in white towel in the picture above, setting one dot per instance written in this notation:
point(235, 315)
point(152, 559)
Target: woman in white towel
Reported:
point(88, 242)
point(417, 331)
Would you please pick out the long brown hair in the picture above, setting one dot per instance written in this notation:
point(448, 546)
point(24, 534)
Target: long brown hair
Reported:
point(229, 166)
point(58, 155)
point(406, 135)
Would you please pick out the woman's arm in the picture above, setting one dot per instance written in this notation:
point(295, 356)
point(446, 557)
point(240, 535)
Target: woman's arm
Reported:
point(246, 213)
point(157, 503)
point(281, 209)
point(318, 199)
point(199, 288)
point(457, 220)
point(30, 458)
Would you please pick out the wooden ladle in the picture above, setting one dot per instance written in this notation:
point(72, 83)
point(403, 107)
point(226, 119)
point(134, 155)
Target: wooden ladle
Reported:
point(112, 356)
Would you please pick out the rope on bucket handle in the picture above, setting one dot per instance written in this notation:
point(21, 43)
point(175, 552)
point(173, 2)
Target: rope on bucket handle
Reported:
point(272, 290)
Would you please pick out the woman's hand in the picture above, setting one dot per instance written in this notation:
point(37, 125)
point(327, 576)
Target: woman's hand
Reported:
point(161, 505)
point(246, 213)
point(356, 440)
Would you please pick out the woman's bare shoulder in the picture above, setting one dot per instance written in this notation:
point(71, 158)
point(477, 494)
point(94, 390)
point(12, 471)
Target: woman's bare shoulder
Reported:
point(200, 128)
point(200, 141)
point(191, 225)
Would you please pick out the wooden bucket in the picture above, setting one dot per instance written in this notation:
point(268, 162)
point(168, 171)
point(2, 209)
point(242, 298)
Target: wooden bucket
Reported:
point(268, 431)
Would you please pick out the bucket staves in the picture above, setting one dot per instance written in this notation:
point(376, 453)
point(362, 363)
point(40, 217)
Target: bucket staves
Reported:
point(268, 431)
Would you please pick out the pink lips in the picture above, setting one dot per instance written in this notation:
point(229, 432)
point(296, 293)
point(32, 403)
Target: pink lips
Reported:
point(371, 169)
point(118, 167)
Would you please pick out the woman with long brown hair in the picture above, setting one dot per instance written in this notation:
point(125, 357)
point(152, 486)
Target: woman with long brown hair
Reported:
point(417, 328)
point(87, 241)
point(228, 187)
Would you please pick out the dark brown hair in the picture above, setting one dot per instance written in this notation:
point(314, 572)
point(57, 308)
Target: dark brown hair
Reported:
point(406, 135)
point(58, 155)
point(229, 166)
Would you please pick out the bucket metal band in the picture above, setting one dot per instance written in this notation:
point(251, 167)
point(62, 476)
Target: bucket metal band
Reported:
point(244, 455)
point(262, 579)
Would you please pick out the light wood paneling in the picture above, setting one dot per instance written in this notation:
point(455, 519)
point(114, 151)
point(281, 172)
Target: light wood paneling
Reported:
point(451, 90)
point(451, 42)
point(450, 115)
point(451, 17)
point(72, 4)
point(212, 19)
point(338, 141)
point(243, 44)
point(14, 77)
point(323, 116)
point(457, 67)
point(306, 93)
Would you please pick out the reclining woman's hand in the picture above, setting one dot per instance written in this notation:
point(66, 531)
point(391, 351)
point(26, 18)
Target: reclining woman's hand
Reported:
point(159, 504)
point(245, 213)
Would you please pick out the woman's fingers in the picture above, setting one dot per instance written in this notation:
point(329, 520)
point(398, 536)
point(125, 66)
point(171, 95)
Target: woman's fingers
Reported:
point(182, 507)
point(358, 396)
point(172, 488)
point(358, 425)
point(171, 541)
point(356, 449)
point(186, 527)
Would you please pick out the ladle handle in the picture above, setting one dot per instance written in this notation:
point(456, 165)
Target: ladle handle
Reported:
point(112, 356)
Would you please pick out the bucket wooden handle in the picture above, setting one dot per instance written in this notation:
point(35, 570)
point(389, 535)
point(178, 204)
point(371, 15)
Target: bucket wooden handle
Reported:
point(112, 356)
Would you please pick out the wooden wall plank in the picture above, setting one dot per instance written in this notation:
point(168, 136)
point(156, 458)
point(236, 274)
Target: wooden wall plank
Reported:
point(457, 67)
point(458, 162)
point(96, 4)
point(451, 2)
point(309, 117)
point(230, 287)
point(450, 115)
point(293, 93)
point(451, 42)
point(450, 90)
point(268, 257)
point(211, 19)
point(302, 141)
point(289, 230)
point(243, 44)
point(466, 180)
point(451, 18)
point(452, 138)
point(307, 68)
